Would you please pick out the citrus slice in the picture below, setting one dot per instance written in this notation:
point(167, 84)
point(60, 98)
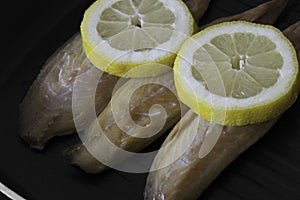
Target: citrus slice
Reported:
point(237, 73)
point(121, 35)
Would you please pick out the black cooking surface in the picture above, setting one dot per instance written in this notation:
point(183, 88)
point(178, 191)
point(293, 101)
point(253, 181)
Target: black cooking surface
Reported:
point(33, 31)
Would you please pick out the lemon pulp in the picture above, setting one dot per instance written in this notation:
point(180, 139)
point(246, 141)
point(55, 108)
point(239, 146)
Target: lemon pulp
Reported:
point(237, 73)
point(120, 35)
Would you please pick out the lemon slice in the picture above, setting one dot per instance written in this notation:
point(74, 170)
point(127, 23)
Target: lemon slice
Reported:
point(237, 73)
point(129, 37)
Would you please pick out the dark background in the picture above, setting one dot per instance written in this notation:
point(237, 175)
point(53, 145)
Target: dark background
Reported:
point(33, 30)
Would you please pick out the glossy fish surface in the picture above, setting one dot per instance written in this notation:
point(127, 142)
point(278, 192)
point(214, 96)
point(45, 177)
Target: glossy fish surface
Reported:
point(46, 111)
point(145, 96)
point(139, 111)
point(186, 175)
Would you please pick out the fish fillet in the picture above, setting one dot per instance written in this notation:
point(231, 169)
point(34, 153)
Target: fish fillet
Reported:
point(46, 111)
point(265, 13)
point(139, 105)
point(79, 156)
point(188, 176)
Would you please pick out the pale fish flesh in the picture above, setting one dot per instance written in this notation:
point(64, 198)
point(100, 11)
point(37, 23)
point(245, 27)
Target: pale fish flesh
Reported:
point(186, 176)
point(80, 156)
point(46, 111)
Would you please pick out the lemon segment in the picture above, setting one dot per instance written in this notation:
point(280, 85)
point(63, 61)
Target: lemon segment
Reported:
point(122, 35)
point(237, 73)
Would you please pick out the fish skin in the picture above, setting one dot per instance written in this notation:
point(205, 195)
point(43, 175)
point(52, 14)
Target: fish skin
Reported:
point(40, 117)
point(79, 156)
point(189, 176)
point(46, 110)
point(140, 103)
point(165, 183)
point(265, 13)
point(293, 34)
